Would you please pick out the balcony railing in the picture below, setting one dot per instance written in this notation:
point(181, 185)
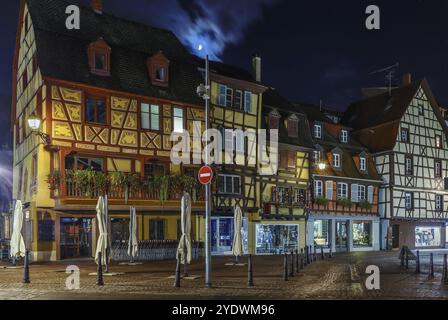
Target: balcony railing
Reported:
point(139, 191)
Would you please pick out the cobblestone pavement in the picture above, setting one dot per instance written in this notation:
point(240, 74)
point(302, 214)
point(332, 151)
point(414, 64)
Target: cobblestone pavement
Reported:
point(342, 277)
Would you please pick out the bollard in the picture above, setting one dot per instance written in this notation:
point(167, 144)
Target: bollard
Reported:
point(314, 254)
point(417, 262)
point(445, 270)
point(431, 266)
point(322, 255)
point(291, 271)
point(330, 255)
point(285, 267)
point(177, 274)
point(407, 260)
point(297, 260)
point(402, 257)
point(250, 276)
point(99, 274)
point(305, 256)
point(308, 254)
point(26, 267)
point(302, 260)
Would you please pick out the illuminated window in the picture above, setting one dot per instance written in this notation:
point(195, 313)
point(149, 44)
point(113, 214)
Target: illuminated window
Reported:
point(362, 233)
point(428, 236)
point(178, 120)
point(439, 141)
point(321, 230)
point(150, 117)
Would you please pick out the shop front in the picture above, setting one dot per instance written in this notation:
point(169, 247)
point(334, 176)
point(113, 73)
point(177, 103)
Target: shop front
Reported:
point(276, 238)
point(222, 230)
point(343, 234)
point(419, 234)
point(75, 237)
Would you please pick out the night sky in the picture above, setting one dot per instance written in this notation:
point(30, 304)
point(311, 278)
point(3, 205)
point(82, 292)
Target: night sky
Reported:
point(311, 50)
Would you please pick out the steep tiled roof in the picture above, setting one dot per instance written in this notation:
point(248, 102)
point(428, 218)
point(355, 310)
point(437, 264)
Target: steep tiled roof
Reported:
point(376, 119)
point(62, 53)
point(272, 100)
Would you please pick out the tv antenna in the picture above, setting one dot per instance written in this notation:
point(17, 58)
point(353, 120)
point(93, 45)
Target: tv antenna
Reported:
point(390, 74)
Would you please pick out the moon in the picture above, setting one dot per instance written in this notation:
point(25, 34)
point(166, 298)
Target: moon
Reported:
point(200, 47)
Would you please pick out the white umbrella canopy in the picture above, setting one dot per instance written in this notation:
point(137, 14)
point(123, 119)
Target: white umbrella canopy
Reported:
point(185, 240)
point(103, 238)
point(133, 240)
point(237, 245)
point(17, 244)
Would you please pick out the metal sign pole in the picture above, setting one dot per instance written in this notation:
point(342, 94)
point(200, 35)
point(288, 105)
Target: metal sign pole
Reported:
point(208, 281)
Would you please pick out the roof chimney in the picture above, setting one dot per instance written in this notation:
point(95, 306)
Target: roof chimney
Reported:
point(97, 6)
point(256, 67)
point(407, 79)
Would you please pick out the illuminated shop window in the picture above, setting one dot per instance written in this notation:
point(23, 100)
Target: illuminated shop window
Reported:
point(322, 233)
point(276, 239)
point(428, 236)
point(362, 233)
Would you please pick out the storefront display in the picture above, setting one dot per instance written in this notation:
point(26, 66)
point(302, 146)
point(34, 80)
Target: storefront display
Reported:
point(362, 233)
point(76, 237)
point(428, 236)
point(276, 239)
point(322, 233)
point(222, 235)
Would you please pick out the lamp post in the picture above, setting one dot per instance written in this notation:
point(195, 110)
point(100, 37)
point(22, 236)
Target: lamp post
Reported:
point(203, 91)
point(34, 123)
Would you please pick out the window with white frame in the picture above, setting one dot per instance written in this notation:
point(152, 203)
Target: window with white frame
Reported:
point(404, 135)
point(247, 101)
point(317, 131)
point(439, 202)
point(344, 136)
point(222, 95)
point(342, 190)
point(336, 160)
point(150, 116)
point(318, 188)
point(229, 184)
point(329, 190)
point(361, 193)
point(362, 164)
point(409, 201)
point(238, 100)
point(370, 194)
point(229, 97)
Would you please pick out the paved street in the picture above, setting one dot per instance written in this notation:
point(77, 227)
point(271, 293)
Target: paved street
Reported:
point(339, 278)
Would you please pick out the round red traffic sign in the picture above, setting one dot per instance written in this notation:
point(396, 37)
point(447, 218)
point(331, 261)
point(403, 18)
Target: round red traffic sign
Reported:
point(205, 175)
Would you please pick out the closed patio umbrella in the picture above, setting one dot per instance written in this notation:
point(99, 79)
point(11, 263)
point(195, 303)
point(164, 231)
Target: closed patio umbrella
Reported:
point(237, 245)
point(103, 238)
point(133, 240)
point(17, 244)
point(184, 248)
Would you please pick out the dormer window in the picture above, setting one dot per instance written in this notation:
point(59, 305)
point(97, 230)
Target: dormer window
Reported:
point(158, 69)
point(362, 164)
point(274, 119)
point(317, 131)
point(293, 127)
point(344, 136)
point(316, 156)
point(99, 58)
point(336, 160)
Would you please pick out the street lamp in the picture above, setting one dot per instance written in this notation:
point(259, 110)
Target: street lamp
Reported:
point(322, 165)
point(203, 91)
point(34, 123)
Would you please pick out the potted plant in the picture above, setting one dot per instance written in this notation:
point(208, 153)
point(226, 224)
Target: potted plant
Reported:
point(83, 180)
point(321, 201)
point(345, 203)
point(189, 184)
point(162, 183)
point(364, 204)
point(124, 182)
point(54, 180)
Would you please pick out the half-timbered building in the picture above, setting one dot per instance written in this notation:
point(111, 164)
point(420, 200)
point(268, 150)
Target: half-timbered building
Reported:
point(343, 199)
point(281, 225)
point(406, 132)
point(236, 106)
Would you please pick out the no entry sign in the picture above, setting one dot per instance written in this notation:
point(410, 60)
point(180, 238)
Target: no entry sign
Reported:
point(205, 175)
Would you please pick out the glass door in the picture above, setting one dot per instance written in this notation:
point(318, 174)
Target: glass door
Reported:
point(222, 235)
point(341, 236)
